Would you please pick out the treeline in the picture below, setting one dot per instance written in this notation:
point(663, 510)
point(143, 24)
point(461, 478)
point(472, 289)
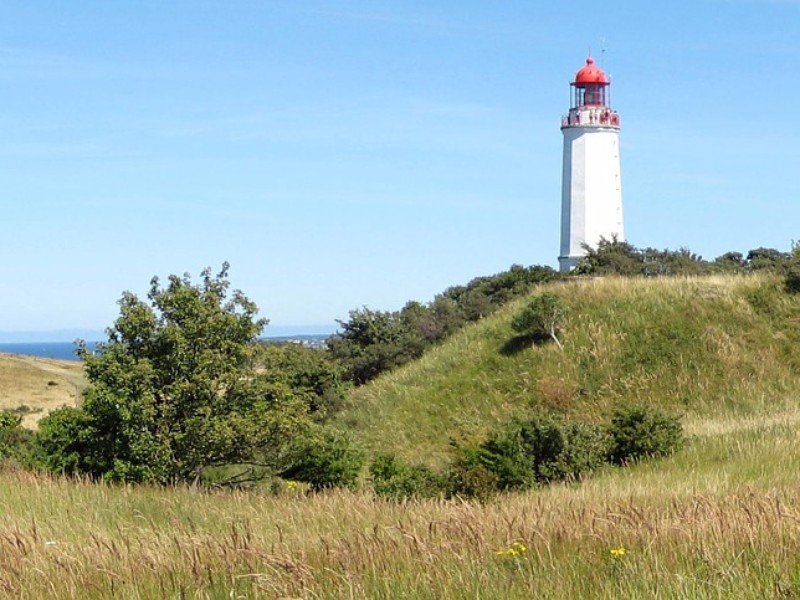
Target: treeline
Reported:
point(372, 342)
point(184, 391)
point(621, 258)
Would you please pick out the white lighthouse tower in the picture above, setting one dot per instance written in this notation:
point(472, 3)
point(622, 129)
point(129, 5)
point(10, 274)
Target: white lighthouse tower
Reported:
point(591, 194)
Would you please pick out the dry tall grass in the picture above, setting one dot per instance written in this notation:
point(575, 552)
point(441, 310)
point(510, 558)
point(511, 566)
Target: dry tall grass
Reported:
point(719, 520)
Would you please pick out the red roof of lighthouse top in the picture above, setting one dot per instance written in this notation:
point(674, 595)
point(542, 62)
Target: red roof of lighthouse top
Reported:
point(591, 73)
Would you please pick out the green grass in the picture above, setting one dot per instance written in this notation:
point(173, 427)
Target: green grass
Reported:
point(702, 346)
point(719, 519)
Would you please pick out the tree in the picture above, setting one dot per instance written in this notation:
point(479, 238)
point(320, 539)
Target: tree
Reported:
point(766, 259)
point(174, 391)
point(543, 316)
point(611, 258)
point(371, 342)
point(309, 373)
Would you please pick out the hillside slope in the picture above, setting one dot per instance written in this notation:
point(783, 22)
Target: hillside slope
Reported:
point(33, 386)
point(697, 346)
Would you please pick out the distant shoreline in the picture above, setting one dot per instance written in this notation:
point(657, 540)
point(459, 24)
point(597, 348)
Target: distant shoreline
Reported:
point(66, 350)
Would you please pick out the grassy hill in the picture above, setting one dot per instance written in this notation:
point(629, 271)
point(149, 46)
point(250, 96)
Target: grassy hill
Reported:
point(719, 519)
point(33, 386)
point(711, 346)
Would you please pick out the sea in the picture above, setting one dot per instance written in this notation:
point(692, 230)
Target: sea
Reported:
point(66, 350)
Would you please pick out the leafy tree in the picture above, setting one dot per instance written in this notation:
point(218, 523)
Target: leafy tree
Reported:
point(173, 391)
point(731, 261)
point(370, 343)
point(766, 259)
point(611, 257)
point(542, 316)
point(393, 478)
point(537, 450)
point(309, 372)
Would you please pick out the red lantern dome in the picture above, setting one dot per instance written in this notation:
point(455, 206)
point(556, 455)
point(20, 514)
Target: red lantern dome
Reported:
point(591, 73)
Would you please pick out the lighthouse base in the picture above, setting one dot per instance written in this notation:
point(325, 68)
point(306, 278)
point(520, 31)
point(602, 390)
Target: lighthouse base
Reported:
point(567, 263)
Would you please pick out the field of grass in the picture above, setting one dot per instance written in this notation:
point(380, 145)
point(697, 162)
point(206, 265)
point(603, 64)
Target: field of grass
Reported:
point(719, 519)
point(696, 347)
point(33, 386)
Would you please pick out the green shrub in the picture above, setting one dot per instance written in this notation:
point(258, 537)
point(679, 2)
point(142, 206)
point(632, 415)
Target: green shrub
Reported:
point(392, 478)
point(472, 481)
point(792, 278)
point(542, 317)
point(16, 442)
point(526, 453)
point(638, 432)
point(562, 451)
point(65, 439)
point(326, 459)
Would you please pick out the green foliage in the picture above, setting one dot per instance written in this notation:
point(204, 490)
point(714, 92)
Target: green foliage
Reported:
point(174, 391)
point(325, 458)
point(309, 372)
point(792, 278)
point(527, 453)
point(372, 342)
point(639, 432)
point(69, 444)
point(472, 480)
point(621, 258)
point(611, 257)
point(393, 478)
point(542, 316)
point(16, 442)
point(766, 259)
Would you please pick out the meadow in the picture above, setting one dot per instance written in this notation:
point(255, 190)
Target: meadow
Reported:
point(32, 387)
point(721, 519)
point(718, 519)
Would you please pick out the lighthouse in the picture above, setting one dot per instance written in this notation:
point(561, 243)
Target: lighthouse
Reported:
point(591, 192)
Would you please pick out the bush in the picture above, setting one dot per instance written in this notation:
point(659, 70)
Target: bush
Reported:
point(527, 453)
point(792, 280)
point(392, 478)
point(16, 442)
point(639, 432)
point(68, 442)
point(472, 481)
point(542, 317)
point(326, 459)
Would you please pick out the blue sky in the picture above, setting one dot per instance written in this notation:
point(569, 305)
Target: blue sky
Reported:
point(352, 153)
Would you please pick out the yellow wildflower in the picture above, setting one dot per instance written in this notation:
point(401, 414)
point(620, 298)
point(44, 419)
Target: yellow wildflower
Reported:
point(618, 552)
point(516, 549)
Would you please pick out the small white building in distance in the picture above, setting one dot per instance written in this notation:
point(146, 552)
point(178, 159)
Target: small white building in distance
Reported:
point(591, 195)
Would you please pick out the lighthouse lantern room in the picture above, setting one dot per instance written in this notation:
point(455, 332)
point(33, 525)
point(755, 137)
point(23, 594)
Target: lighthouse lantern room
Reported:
point(591, 195)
